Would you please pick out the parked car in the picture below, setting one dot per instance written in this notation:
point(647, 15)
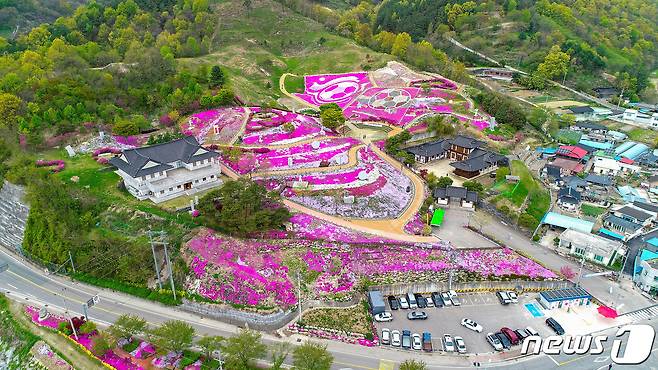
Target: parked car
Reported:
point(417, 315)
point(448, 343)
point(436, 298)
point(413, 304)
point(421, 301)
point(393, 303)
point(513, 297)
point(494, 341)
point(446, 299)
point(531, 331)
point(511, 335)
point(427, 342)
point(522, 334)
point(416, 342)
point(503, 297)
point(470, 324)
point(386, 336)
point(406, 339)
point(403, 303)
point(383, 317)
point(504, 341)
point(461, 346)
point(395, 338)
point(454, 299)
point(553, 324)
point(430, 301)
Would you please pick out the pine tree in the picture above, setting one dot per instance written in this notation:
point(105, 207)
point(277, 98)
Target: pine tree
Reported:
point(216, 76)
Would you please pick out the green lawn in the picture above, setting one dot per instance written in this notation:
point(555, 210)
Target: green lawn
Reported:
point(592, 211)
point(643, 135)
point(257, 46)
point(538, 198)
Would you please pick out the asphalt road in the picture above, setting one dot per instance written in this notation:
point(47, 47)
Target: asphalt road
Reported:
point(634, 247)
point(25, 283)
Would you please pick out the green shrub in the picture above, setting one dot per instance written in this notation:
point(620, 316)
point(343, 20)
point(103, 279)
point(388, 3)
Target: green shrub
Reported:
point(526, 220)
point(131, 346)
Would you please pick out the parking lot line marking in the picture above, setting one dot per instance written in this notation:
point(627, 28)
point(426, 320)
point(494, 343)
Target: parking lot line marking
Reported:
point(386, 365)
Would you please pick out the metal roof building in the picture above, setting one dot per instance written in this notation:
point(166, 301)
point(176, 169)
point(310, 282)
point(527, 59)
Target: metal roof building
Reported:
point(564, 298)
point(566, 222)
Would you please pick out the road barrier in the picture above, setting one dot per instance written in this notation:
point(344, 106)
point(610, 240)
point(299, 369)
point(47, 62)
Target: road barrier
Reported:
point(472, 286)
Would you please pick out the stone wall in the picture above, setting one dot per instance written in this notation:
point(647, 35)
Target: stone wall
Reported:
point(13, 215)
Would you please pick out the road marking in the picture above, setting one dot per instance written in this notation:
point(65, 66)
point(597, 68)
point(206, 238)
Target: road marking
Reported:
point(386, 365)
point(11, 286)
point(552, 359)
point(601, 359)
point(354, 366)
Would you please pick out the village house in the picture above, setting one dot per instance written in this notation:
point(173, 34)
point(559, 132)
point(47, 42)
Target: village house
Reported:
point(465, 197)
point(594, 248)
point(165, 171)
point(568, 198)
point(582, 113)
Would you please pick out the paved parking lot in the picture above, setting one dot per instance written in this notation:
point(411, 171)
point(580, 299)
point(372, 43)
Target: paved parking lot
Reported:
point(453, 229)
point(447, 320)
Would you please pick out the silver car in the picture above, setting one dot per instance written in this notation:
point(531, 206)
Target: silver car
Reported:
point(403, 303)
point(386, 336)
point(495, 343)
point(461, 346)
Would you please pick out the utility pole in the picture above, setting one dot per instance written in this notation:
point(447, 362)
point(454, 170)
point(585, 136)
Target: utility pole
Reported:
point(155, 259)
point(66, 310)
point(71, 259)
point(171, 273)
point(582, 263)
point(620, 97)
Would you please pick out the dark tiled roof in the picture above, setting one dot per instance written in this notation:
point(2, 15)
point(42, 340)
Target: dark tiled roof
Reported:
point(553, 171)
point(162, 155)
point(569, 195)
point(479, 160)
point(598, 179)
point(591, 126)
point(430, 149)
point(578, 110)
point(456, 192)
point(575, 182)
point(634, 212)
point(646, 206)
point(467, 142)
point(625, 224)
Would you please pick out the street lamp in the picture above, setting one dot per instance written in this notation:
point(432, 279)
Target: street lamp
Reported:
point(582, 263)
point(66, 310)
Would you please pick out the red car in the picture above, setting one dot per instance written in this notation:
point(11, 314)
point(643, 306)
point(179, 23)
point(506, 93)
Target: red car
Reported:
point(509, 333)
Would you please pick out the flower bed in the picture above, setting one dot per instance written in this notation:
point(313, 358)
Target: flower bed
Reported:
point(127, 142)
point(219, 125)
point(334, 88)
point(274, 133)
point(353, 322)
point(415, 226)
point(330, 152)
point(240, 272)
point(96, 154)
point(384, 195)
point(57, 164)
point(332, 334)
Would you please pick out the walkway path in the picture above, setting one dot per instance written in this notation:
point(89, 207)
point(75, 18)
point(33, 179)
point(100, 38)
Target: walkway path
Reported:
point(353, 161)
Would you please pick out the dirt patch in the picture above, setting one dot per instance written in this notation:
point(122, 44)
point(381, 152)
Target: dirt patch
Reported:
point(563, 103)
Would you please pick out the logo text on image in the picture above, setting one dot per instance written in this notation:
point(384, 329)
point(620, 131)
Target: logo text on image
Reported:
point(637, 350)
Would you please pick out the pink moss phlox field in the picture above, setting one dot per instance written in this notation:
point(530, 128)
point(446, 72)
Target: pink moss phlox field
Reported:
point(415, 226)
point(57, 165)
point(304, 127)
point(240, 272)
point(221, 124)
point(334, 88)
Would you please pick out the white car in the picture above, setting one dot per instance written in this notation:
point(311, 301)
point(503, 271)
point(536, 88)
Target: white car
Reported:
point(513, 297)
point(531, 331)
point(453, 297)
point(448, 343)
point(386, 336)
point(403, 303)
point(383, 317)
point(495, 343)
point(396, 340)
point(446, 299)
point(470, 324)
point(461, 346)
point(416, 343)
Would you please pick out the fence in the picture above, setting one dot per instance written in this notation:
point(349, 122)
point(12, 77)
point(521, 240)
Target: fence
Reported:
point(269, 322)
point(438, 286)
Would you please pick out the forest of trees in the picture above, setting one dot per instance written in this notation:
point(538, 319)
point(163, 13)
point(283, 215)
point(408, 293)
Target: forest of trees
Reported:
point(58, 76)
point(616, 36)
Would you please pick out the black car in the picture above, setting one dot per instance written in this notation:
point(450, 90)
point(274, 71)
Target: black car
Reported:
point(553, 324)
point(504, 340)
point(436, 298)
point(393, 302)
point(420, 300)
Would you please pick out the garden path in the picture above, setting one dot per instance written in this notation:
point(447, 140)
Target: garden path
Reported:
point(244, 125)
point(353, 161)
point(389, 228)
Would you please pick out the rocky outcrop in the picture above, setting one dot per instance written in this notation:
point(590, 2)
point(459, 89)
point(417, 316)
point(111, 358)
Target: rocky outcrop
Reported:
point(13, 215)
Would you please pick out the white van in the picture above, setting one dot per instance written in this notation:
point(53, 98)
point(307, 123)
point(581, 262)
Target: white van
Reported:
point(503, 297)
point(412, 301)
